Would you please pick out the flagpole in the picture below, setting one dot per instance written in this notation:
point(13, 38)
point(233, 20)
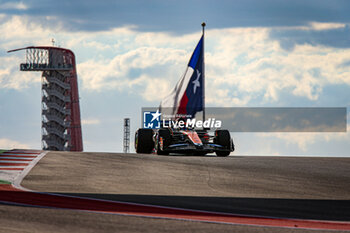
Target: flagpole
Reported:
point(203, 75)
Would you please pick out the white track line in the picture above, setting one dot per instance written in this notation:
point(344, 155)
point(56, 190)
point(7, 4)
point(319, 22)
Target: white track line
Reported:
point(24, 166)
point(2, 161)
point(18, 179)
point(10, 154)
point(28, 159)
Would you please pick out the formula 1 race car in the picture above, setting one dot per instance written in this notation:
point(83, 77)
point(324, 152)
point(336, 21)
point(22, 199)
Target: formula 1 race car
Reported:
point(184, 141)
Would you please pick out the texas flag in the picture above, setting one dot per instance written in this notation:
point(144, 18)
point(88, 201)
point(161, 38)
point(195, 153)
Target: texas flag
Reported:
point(187, 96)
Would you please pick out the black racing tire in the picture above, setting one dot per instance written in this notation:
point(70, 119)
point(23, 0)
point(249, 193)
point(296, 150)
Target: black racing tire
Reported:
point(223, 138)
point(166, 135)
point(144, 141)
point(200, 153)
point(222, 153)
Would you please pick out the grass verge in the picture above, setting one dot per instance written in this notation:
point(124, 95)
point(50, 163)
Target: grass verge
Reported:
point(4, 182)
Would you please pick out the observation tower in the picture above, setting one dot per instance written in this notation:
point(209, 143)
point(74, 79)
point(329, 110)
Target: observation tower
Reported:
point(61, 124)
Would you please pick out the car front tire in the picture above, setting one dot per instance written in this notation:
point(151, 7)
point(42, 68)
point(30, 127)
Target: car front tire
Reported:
point(144, 141)
point(223, 138)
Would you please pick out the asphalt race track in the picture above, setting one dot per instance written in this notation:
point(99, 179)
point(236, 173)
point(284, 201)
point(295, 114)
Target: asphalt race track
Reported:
point(280, 187)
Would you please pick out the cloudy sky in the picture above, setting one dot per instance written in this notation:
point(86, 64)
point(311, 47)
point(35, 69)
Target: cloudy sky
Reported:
point(131, 53)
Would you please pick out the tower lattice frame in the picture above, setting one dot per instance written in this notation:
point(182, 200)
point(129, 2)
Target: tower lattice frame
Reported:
point(61, 123)
point(126, 140)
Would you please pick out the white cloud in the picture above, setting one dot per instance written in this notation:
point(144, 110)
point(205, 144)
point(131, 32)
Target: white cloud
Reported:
point(90, 121)
point(326, 26)
point(314, 26)
point(244, 61)
point(270, 70)
point(134, 71)
point(13, 6)
point(12, 78)
point(6, 143)
point(22, 31)
point(241, 63)
point(305, 140)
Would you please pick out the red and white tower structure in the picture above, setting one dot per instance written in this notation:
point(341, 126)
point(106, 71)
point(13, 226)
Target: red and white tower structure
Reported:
point(61, 124)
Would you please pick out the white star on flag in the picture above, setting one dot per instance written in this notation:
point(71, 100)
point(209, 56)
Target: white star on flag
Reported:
point(196, 82)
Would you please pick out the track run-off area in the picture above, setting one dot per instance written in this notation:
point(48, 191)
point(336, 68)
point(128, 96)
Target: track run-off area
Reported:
point(107, 192)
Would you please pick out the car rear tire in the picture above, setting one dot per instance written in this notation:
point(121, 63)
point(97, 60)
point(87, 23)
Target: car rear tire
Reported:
point(144, 141)
point(223, 138)
point(200, 153)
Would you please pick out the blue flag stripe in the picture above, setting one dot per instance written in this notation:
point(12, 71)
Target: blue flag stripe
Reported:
point(194, 90)
point(194, 59)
